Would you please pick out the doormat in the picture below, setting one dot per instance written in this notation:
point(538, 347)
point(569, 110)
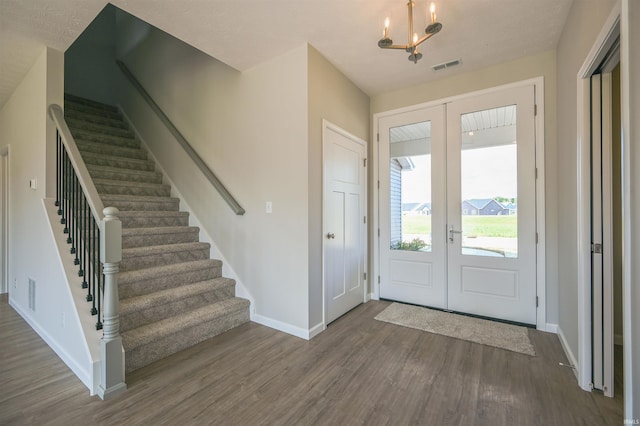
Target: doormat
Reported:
point(506, 336)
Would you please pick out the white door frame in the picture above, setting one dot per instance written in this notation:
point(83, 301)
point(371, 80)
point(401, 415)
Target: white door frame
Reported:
point(600, 49)
point(365, 254)
point(538, 83)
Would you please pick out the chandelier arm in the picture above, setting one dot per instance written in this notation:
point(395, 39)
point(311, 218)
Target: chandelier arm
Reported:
point(398, 46)
point(424, 38)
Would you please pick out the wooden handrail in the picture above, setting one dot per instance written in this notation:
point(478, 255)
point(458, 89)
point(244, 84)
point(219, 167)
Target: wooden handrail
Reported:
point(213, 179)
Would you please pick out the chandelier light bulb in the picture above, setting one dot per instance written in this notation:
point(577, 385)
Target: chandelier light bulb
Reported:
point(432, 9)
point(385, 31)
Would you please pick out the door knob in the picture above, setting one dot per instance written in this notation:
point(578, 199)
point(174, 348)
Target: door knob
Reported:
point(331, 235)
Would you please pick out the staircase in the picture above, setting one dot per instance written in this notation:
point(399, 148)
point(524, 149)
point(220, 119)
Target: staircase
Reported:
point(172, 295)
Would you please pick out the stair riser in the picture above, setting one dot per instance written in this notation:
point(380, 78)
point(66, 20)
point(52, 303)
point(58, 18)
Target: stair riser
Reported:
point(85, 110)
point(164, 282)
point(162, 348)
point(123, 175)
point(105, 139)
point(105, 120)
point(70, 99)
point(152, 260)
point(132, 241)
point(157, 313)
point(101, 148)
point(125, 205)
point(100, 129)
point(125, 189)
point(120, 162)
point(152, 221)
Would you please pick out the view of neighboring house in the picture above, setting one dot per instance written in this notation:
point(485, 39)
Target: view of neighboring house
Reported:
point(485, 207)
point(416, 208)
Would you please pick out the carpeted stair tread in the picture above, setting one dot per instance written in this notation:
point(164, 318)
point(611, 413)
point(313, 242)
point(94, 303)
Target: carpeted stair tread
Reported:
point(152, 332)
point(124, 175)
point(132, 304)
point(107, 186)
point(148, 256)
point(152, 218)
point(75, 109)
point(118, 162)
point(117, 151)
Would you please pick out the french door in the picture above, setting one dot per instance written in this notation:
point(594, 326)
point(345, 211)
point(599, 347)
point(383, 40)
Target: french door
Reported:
point(457, 206)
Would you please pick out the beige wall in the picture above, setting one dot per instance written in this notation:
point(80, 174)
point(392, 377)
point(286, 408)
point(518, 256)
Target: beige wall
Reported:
point(543, 64)
point(583, 25)
point(334, 97)
point(27, 131)
point(251, 130)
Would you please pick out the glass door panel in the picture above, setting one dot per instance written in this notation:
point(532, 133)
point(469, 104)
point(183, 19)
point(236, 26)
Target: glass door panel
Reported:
point(489, 182)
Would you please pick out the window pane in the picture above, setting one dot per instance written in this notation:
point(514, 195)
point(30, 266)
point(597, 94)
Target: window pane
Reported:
point(410, 186)
point(489, 179)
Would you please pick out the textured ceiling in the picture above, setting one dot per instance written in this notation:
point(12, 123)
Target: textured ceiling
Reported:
point(243, 34)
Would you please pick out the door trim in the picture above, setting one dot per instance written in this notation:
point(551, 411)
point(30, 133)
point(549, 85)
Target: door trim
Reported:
point(327, 125)
point(538, 84)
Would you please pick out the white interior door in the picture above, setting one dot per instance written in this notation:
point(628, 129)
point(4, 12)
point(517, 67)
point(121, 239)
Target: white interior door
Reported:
point(601, 233)
point(412, 207)
point(491, 205)
point(344, 221)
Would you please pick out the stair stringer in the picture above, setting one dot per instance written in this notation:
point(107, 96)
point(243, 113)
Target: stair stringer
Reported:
point(216, 253)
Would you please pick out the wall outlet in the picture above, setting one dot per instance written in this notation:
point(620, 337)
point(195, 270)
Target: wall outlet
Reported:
point(269, 207)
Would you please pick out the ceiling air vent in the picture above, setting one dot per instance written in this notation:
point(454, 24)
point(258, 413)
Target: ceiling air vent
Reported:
point(446, 65)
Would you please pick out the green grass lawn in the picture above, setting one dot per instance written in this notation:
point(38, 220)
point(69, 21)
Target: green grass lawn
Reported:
point(473, 226)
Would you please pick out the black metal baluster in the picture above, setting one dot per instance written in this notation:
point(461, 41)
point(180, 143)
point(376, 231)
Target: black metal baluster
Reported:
point(83, 229)
point(93, 273)
point(65, 189)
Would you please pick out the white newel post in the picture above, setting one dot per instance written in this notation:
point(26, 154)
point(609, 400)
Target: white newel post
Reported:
point(112, 355)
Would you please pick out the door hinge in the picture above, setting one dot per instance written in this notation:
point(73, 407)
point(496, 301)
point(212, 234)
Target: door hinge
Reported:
point(536, 238)
point(378, 184)
point(535, 109)
point(596, 248)
point(378, 232)
point(364, 163)
point(365, 276)
point(537, 300)
point(536, 173)
point(378, 279)
point(364, 219)
point(378, 136)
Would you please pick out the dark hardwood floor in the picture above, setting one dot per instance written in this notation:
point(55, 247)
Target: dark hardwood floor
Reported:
point(359, 371)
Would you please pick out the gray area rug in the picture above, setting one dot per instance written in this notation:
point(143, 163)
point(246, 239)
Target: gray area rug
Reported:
point(491, 333)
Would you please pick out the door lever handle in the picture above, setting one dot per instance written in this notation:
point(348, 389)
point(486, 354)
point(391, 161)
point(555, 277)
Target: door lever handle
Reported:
point(451, 232)
point(331, 235)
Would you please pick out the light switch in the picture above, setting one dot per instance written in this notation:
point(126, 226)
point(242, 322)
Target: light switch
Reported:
point(33, 183)
point(269, 207)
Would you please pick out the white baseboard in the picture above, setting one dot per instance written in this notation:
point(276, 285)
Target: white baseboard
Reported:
point(86, 377)
point(567, 350)
point(551, 328)
point(286, 327)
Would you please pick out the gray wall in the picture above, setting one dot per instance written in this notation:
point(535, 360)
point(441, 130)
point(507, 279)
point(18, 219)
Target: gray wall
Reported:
point(90, 69)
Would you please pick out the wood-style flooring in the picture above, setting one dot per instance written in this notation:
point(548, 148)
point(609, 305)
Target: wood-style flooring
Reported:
point(359, 371)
